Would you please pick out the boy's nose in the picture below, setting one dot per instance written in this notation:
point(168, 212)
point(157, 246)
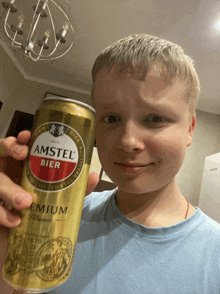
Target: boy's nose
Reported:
point(131, 139)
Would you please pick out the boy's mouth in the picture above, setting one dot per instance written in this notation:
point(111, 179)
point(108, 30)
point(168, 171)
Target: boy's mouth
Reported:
point(130, 164)
point(131, 168)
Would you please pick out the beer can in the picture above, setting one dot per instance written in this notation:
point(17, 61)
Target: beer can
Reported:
point(41, 249)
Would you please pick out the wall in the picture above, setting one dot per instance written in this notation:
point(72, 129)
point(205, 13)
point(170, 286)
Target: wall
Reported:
point(16, 93)
point(10, 79)
point(20, 94)
point(206, 141)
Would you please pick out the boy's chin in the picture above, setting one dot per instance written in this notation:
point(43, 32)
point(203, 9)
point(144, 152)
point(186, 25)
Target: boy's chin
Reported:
point(138, 188)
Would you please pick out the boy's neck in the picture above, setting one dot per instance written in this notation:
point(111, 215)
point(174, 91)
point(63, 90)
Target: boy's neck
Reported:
point(161, 208)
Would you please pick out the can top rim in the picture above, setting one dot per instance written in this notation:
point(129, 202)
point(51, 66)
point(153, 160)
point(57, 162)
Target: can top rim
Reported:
point(70, 100)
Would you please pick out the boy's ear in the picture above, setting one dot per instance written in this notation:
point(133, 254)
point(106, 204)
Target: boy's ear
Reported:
point(191, 129)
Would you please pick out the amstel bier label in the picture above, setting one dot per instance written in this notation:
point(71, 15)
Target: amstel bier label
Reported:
point(56, 158)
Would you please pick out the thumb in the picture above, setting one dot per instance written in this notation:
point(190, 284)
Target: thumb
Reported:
point(92, 182)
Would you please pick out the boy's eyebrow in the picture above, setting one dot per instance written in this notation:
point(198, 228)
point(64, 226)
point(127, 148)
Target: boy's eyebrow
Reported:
point(107, 105)
point(111, 103)
point(162, 109)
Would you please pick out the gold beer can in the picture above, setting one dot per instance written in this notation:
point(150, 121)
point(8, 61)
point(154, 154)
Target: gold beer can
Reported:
point(41, 248)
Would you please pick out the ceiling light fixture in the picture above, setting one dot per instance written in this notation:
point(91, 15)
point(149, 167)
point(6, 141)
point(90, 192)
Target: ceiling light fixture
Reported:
point(45, 35)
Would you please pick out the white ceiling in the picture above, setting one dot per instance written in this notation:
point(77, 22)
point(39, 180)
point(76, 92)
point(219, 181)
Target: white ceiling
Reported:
point(98, 23)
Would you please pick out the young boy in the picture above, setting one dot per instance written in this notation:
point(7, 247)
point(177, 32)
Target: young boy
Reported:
point(144, 236)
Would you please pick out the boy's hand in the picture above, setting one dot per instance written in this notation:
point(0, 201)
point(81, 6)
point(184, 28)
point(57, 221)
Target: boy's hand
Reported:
point(12, 197)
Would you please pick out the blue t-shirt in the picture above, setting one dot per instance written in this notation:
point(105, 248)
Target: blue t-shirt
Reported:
point(116, 255)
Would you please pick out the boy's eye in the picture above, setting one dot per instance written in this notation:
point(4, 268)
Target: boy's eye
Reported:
point(111, 119)
point(155, 119)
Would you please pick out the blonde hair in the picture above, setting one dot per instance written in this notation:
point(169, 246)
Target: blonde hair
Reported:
point(136, 53)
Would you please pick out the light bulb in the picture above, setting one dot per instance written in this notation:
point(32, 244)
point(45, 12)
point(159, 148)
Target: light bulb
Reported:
point(21, 18)
point(47, 34)
point(66, 26)
point(45, 4)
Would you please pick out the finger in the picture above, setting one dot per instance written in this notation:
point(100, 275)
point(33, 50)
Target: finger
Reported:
point(7, 144)
point(24, 137)
point(13, 195)
point(92, 182)
point(10, 219)
point(11, 146)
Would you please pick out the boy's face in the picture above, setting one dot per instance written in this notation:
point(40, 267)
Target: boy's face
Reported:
point(143, 129)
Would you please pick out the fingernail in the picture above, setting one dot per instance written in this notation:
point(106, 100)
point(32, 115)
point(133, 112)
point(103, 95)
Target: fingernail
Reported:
point(14, 220)
point(20, 198)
